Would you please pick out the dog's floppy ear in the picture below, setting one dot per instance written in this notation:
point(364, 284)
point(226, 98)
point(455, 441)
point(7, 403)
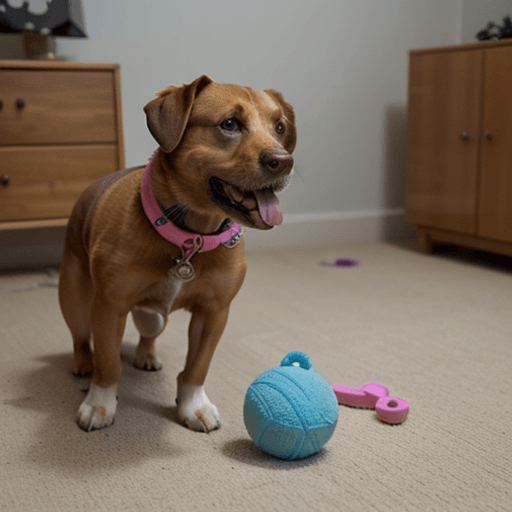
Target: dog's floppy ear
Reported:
point(167, 115)
point(291, 133)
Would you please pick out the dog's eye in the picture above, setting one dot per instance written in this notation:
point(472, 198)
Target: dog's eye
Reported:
point(280, 128)
point(230, 125)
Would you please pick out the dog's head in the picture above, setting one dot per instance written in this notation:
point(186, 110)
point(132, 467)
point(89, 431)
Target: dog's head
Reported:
point(229, 146)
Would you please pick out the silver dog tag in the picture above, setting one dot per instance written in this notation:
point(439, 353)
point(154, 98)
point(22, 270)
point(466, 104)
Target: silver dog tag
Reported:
point(184, 270)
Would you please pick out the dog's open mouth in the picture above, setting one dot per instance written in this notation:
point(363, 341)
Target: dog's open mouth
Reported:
point(260, 208)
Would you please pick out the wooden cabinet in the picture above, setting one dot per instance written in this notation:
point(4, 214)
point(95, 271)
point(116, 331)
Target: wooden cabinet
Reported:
point(60, 130)
point(458, 185)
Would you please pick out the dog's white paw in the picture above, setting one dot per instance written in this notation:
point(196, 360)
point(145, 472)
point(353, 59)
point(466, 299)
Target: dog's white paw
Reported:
point(98, 409)
point(195, 409)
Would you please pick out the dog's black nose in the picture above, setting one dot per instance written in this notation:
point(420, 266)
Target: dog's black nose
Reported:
point(276, 160)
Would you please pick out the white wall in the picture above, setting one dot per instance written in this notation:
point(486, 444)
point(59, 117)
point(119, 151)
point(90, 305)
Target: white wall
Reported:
point(341, 63)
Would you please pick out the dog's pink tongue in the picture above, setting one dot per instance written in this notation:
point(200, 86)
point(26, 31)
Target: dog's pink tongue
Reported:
point(270, 209)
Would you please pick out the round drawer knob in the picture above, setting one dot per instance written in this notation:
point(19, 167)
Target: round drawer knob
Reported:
point(464, 135)
point(4, 180)
point(20, 103)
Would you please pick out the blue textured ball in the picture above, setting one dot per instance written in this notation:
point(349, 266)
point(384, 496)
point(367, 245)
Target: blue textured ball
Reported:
point(291, 411)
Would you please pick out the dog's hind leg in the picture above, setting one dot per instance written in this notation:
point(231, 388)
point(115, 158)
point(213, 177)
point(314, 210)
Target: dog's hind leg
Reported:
point(149, 324)
point(75, 298)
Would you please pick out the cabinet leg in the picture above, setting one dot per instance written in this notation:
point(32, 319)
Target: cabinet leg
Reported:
point(424, 241)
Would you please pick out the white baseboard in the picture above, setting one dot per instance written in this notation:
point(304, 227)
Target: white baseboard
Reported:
point(36, 249)
point(334, 228)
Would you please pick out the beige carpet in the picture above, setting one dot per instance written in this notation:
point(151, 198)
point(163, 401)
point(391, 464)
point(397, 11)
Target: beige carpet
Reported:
point(437, 330)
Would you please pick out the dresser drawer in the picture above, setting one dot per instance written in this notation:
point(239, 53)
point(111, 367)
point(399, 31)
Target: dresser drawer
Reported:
point(41, 106)
point(46, 182)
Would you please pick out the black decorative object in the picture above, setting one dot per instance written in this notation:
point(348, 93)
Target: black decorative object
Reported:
point(506, 28)
point(494, 32)
point(39, 20)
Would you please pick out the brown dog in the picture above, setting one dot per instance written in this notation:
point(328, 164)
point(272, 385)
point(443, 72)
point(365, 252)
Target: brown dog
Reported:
point(224, 152)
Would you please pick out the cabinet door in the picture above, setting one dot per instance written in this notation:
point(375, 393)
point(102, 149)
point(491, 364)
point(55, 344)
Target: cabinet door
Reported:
point(495, 199)
point(442, 140)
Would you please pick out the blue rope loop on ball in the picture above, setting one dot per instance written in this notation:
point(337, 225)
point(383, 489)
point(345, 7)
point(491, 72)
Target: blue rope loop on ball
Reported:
point(297, 357)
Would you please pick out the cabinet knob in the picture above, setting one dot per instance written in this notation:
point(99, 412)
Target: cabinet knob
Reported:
point(489, 136)
point(464, 135)
point(4, 180)
point(20, 103)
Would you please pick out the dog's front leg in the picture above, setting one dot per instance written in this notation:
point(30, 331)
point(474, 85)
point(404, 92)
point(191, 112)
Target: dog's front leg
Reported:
point(194, 406)
point(99, 407)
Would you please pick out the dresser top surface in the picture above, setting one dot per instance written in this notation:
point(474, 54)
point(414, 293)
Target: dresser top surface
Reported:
point(477, 45)
point(55, 65)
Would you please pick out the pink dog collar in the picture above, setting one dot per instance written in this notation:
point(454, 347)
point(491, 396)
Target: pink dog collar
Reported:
point(189, 243)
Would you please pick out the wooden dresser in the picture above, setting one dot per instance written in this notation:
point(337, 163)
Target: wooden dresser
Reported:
point(458, 186)
point(60, 130)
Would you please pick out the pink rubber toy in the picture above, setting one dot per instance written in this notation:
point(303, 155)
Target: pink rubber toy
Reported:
point(365, 396)
point(373, 395)
point(392, 409)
